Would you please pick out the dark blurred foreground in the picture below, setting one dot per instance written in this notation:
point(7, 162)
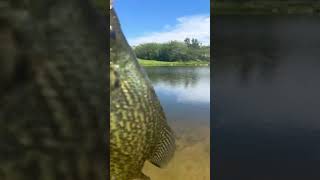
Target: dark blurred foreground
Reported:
point(53, 91)
point(266, 7)
point(266, 91)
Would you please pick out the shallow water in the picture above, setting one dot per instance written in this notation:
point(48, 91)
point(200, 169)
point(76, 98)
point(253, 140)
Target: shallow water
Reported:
point(184, 93)
point(266, 79)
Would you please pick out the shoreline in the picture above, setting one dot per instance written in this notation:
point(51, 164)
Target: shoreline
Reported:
point(154, 63)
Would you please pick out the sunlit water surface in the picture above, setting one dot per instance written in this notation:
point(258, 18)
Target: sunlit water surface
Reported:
point(184, 93)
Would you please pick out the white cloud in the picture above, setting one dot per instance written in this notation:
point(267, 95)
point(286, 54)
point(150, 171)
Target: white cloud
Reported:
point(197, 26)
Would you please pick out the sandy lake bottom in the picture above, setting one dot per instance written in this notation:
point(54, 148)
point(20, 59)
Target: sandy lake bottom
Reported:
point(191, 160)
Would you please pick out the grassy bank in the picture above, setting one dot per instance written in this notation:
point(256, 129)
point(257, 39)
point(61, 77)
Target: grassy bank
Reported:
point(267, 7)
point(176, 63)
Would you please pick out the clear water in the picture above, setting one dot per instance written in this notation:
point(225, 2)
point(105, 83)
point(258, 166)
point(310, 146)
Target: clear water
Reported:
point(184, 93)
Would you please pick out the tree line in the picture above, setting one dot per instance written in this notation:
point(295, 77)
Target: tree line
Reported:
point(190, 49)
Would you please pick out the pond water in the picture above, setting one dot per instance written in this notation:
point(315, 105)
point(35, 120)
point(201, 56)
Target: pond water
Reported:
point(266, 113)
point(184, 93)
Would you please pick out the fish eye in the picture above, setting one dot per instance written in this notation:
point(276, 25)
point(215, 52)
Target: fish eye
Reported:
point(112, 33)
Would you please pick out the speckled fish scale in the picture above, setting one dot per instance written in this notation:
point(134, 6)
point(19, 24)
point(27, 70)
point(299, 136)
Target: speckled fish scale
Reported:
point(138, 127)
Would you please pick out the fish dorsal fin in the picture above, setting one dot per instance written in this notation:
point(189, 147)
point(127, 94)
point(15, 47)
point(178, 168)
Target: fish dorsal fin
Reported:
point(164, 149)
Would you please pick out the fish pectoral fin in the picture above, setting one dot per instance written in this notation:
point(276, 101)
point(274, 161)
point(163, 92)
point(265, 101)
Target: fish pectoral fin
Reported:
point(165, 148)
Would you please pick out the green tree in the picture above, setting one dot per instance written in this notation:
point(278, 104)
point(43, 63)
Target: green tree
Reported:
point(195, 43)
point(174, 51)
point(187, 42)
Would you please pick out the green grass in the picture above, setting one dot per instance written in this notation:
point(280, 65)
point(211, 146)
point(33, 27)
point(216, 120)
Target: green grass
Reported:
point(144, 62)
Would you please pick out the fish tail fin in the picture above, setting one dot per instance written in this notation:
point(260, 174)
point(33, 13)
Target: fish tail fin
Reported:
point(165, 148)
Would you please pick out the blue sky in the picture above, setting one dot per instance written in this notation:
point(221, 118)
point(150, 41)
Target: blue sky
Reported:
point(163, 20)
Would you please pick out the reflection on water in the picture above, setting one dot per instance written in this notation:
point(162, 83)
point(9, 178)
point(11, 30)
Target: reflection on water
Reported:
point(199, 93)
point(189, 85)
point(184, 93)
point(267, 98)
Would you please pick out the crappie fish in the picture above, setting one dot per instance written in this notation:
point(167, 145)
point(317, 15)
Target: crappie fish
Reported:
point(138, 127)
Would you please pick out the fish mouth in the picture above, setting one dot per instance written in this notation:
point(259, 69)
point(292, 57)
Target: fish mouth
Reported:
point(112, 33)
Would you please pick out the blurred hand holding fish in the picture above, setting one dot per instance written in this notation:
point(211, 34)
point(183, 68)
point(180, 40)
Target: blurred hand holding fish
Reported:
point(138, 127)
